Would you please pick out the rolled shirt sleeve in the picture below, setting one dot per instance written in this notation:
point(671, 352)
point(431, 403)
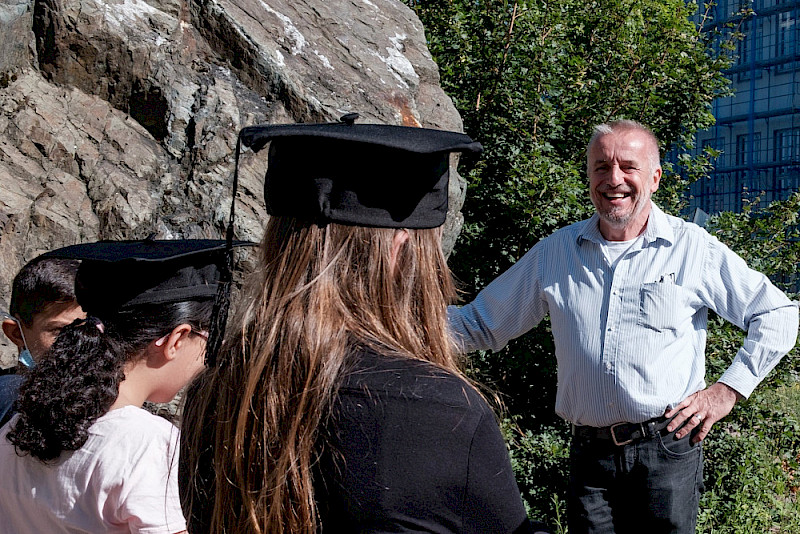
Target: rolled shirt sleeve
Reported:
point(749, 300)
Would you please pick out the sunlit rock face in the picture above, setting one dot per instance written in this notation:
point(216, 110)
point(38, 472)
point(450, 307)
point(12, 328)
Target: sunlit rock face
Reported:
point(118, 118)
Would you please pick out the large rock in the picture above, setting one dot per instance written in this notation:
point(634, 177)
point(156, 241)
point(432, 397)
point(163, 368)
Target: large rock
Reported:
point(16, 38)
point(118, 118)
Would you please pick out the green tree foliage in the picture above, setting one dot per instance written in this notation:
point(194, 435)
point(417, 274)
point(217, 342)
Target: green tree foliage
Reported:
point(531, 79)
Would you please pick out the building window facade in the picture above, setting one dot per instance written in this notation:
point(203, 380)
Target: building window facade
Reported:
point(757, 131)
point(787, 145)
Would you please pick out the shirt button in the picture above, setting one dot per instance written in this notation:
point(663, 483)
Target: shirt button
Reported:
point(608, 365)
point(610, 328)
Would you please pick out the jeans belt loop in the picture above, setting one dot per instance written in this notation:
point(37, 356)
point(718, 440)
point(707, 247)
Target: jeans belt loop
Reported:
point(650, 429)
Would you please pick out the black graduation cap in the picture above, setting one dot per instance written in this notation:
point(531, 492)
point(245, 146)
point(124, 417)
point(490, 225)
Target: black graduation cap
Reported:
point(359, 174)
point(115, 275)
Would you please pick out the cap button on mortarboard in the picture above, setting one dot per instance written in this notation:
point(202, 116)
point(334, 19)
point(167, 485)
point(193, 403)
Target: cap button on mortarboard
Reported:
point(349, 118)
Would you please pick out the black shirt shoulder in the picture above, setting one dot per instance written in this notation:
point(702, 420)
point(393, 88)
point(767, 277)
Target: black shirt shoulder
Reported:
point(405, 379)
point(410, 447)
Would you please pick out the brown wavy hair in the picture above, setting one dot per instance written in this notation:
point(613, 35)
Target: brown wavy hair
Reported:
point(319, 292)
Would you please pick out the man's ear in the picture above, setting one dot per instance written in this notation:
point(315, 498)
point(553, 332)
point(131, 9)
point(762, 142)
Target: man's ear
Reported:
point(12, 331)
point(656, 180)
point(169, 345)
point(400, 238)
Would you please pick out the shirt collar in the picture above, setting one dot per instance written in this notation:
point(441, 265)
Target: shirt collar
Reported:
point(658, 227)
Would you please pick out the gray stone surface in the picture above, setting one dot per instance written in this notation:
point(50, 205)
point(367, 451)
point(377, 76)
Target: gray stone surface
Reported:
point(16, 38)
point(118, 118)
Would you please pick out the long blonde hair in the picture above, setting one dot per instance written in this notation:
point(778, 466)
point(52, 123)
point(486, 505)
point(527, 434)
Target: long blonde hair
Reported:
point(319, 292)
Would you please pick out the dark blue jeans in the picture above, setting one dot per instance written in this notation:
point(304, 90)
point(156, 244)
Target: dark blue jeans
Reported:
point(651, 486)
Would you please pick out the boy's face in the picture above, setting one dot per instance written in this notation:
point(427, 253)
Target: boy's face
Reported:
point(44, 327)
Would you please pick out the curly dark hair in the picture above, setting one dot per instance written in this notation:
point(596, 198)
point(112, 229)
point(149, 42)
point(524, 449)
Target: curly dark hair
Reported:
point(78, 380)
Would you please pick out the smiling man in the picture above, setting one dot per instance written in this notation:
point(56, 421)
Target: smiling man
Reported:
point(628, 293)
point(624, 170)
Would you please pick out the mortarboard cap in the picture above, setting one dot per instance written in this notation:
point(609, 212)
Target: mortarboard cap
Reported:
point(358, 174)
point(115, 275)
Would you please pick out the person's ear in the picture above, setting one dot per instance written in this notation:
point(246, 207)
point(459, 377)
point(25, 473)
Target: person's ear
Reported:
point(656, 179)
point(13, 332)
point(170, 345)
point(399, 239)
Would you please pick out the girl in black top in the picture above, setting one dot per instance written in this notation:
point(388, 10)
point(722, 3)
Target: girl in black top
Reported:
point(338, 403)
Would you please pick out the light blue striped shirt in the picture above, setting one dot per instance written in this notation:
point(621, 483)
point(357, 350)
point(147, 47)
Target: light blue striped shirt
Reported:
point(630, 339)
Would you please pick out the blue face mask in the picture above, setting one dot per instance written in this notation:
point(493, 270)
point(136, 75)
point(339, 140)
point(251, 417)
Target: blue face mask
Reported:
point(26, 359)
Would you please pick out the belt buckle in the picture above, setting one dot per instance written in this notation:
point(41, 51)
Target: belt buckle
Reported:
point(614, 435)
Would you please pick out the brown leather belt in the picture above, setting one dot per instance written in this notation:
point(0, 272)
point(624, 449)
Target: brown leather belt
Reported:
point(623, 433)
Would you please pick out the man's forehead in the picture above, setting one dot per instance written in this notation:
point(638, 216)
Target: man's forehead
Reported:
point(623, 146)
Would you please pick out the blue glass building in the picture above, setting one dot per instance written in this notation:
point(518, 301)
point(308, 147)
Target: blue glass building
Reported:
point(757, 129)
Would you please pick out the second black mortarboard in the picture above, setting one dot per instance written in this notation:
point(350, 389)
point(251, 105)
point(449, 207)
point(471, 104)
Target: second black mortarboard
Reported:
point(358, 174)
point(116, 275)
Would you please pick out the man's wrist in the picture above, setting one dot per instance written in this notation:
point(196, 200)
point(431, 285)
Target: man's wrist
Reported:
point(736, 396)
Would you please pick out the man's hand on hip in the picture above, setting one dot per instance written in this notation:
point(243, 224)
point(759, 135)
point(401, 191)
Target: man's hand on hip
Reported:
point(703, 408)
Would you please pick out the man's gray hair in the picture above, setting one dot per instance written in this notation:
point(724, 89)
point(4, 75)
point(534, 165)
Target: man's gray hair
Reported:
point(623, 125)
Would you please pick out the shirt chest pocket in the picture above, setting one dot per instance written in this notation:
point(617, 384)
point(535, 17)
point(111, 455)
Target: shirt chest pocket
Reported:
point(663, 306)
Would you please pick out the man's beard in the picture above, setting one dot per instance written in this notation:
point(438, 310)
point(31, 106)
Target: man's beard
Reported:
point(620, 217)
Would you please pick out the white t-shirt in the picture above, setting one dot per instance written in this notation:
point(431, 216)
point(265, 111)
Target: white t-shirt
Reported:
point(614, 250)
point(123, 480)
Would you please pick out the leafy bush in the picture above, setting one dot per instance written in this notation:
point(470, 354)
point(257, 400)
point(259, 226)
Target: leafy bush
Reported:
point(539, 456)
point(752, 457)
